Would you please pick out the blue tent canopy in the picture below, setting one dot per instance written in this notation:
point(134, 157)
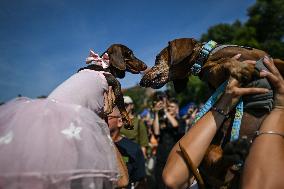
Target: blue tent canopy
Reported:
point(184, 109)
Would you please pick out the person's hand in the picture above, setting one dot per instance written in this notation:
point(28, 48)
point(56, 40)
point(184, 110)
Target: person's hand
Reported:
point(234, 91)
point(276, 80)
point(158, 106)
point(109, 99)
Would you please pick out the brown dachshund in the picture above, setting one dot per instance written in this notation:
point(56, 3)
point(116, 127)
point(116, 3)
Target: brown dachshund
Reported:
point(174, 63)
point(121, 59)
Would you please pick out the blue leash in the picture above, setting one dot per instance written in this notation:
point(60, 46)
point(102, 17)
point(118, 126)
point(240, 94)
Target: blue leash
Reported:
point(238, 115)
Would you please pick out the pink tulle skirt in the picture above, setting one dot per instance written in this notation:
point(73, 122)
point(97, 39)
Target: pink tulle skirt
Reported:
point(48, 144)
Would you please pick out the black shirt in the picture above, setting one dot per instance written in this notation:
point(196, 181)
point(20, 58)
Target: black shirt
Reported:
point(168, 137)
point(134, 159)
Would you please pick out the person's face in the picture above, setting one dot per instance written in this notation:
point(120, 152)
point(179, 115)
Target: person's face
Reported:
point(160, 104)
point(172, 108)
point(114, 121)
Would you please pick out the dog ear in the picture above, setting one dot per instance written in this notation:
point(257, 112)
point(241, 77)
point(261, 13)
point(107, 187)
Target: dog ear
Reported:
point(179, 49)
point(116, 58)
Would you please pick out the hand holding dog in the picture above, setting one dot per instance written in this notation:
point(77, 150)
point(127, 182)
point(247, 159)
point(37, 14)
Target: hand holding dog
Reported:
point(277, 81)
point(274, 77)
point(258, 165)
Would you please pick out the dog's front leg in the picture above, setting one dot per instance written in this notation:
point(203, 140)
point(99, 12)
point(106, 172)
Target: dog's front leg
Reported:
point(214, 73)
point(217, 71)
point(116, 87)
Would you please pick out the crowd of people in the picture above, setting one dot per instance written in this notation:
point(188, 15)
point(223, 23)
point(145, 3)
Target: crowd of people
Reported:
point(156, 130)
point(52, 143)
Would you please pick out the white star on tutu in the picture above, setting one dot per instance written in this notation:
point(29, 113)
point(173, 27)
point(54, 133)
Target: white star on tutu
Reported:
point(72, 132)
point(7, 138)
point(92, 185)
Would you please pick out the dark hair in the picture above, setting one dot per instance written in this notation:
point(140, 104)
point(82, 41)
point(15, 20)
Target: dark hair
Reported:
point(159, 95)
point(173, 100)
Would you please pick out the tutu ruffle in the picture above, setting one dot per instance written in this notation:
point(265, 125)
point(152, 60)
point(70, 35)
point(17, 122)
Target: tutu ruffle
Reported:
point(48, 144)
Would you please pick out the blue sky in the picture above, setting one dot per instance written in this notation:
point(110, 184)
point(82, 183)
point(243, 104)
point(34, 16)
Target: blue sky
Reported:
point(43, 42)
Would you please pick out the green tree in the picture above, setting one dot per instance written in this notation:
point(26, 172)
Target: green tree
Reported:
point(223, 33)
point(264, 29)
point(235, 33)
point(139, 96)
point(267, 17)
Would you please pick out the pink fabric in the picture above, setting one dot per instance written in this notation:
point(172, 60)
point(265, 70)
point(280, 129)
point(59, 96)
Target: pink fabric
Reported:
point(85, 88)
point(58, 142)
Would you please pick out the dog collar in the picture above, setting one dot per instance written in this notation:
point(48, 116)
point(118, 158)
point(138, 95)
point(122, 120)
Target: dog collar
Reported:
point(202, 56)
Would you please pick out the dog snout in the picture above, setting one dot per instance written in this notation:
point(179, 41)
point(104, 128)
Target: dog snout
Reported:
point(135, 65)
point(154, 80)
point(145, 82)
point(156, 77)
point(143, 66)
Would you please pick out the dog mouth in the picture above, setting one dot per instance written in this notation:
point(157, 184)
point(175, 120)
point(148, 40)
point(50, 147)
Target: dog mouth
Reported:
point(156, 77)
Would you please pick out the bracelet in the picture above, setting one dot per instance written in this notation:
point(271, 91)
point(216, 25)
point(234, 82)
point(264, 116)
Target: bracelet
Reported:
point(258, 133)
point(220, 111)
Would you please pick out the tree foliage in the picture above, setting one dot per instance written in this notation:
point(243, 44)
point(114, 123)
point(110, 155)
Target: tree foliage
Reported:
point(139, 96)
point(264, 29)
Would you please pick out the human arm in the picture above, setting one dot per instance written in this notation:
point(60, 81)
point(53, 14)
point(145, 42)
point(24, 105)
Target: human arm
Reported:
point(156, 124)
point(198, 139)
point(264, 166)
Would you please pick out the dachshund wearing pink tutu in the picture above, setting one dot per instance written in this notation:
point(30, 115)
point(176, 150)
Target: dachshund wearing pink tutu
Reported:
point(63, 141)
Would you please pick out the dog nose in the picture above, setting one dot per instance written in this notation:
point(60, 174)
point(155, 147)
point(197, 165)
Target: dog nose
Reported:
point(144, 67)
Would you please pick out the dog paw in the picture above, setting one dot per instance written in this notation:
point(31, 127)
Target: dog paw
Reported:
point(243, 72)
point(128, 125)
point(127, 122)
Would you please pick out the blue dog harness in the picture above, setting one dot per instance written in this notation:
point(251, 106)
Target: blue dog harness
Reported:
point(202, 57)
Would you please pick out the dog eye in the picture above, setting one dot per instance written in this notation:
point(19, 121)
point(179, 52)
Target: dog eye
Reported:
point(129, 53)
